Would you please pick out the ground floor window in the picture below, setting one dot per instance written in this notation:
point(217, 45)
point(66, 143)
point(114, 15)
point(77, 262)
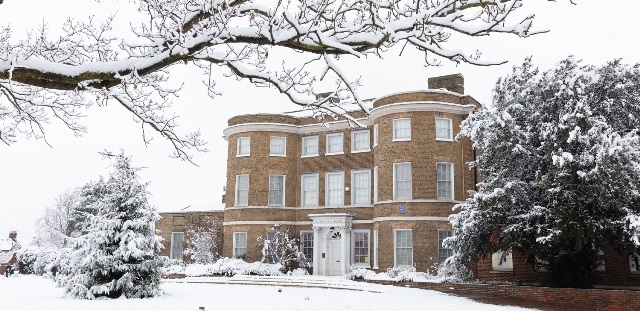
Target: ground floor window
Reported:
point(502, 261)
point(177, 239)
point(306, 244)
point(443, 252)
point(239, 244)
point(403, 242)
point(361, 247)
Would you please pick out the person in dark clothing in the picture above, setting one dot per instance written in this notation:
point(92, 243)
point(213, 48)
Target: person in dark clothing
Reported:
point(8, 272)
point(54, 271)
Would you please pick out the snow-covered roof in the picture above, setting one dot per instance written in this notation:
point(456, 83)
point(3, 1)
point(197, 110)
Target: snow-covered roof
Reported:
point(6, 244)
point(206, 207)
point(5, 257)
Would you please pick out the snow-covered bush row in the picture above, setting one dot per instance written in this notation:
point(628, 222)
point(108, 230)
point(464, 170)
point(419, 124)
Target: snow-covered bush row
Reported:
point(39, 260)
point(227, 267)
point(400, 274)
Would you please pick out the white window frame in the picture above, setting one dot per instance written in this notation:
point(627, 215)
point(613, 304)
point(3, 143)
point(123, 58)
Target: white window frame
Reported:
point(237, 192)
point(353, 141)
point(375, 135)
point(367, 263)
point(341, 135)
point(634, 267)
point(302, 247)
point(395, 126)
point(395, 248)
point(375, 184)
point(284, 187)
point(239, 143)
point(450, 135)
point(308, 138)
point(172, 255)
point(375, 249)
point(451, 174)
point(303, 201)
point(284, 146)
point(506, 266)
point(442, 249)
point(353, 186)
point(235, 243)
point(395, 186)
point(328, 190)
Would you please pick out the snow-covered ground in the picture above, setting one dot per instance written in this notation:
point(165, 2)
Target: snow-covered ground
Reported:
point(36, 293)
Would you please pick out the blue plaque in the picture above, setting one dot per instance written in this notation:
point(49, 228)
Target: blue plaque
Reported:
point(402, 209)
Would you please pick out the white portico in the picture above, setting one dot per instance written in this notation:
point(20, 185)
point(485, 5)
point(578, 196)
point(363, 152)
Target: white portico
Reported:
point(331, 243)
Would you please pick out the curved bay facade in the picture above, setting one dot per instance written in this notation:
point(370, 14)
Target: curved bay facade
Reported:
point(372, 197)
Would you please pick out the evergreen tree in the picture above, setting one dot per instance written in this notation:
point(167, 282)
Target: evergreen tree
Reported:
point(118, 254)
point(560, 158)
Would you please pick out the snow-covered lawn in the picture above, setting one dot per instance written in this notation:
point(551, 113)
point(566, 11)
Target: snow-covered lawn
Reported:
point(37, 293)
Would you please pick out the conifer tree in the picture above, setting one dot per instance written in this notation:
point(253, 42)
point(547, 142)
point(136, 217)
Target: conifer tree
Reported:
point(118, 254)
point(560, 157)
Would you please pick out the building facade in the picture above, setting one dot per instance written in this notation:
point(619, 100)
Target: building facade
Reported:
point(372, 196)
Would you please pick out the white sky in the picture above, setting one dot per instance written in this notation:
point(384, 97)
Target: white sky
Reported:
point(32, 173)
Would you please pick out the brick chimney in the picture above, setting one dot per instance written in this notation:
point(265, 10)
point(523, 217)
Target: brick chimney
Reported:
point(13, 235)
point(452, 83)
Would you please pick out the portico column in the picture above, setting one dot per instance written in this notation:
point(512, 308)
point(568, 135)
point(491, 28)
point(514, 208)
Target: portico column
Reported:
point(345, 243)
point(316, 250)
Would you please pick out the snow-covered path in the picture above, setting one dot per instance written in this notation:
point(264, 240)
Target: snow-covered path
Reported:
point(37, 293)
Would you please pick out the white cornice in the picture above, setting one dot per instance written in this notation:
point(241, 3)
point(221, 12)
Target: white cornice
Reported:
point(360, 221)
point(419, 106)
point(344, 124)
point(289, 128)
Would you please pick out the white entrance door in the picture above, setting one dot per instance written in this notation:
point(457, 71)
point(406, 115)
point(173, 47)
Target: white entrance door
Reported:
point(336, 255)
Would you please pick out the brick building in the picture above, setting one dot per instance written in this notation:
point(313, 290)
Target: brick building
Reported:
point(8, 249)
point(375, 197)
point(174, 228)
point(372, 197)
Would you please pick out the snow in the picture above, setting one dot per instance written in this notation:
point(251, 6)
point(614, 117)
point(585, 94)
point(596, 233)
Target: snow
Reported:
point(25, 292)
point(6, 244)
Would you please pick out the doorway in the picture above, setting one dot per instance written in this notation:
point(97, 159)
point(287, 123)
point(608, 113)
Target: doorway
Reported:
point(335, 257)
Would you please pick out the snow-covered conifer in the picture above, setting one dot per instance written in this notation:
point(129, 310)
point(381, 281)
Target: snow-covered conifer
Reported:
point(560, 157)
point(118, 254)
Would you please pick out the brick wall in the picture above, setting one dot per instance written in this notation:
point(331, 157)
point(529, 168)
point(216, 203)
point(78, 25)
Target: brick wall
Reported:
point(586, 299)
point(617, 271)
point(181, 222)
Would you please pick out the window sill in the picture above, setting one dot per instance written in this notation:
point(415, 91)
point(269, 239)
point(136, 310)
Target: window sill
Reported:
point(242, 155)
point(361, 151)
point(335, 153)
point(362, 265)
point(501, 271)
point(401, 139)
point(278, 155)
point(310, 156)
point(444, 139)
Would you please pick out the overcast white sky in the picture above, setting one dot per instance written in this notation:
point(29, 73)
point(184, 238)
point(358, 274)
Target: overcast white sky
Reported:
point(32, 173)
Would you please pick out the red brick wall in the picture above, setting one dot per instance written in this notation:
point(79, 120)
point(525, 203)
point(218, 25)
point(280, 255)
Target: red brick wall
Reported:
point(587, 299)
point(617, 271)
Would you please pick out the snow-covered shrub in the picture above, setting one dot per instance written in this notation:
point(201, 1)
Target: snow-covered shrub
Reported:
point(406, 273)
point(361, 274)
point(40, 260)
point(279, 247)
point(118, 254)
point(235, 266)
point(201, 242)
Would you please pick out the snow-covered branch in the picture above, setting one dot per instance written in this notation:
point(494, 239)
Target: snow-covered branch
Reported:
point(43, 77)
